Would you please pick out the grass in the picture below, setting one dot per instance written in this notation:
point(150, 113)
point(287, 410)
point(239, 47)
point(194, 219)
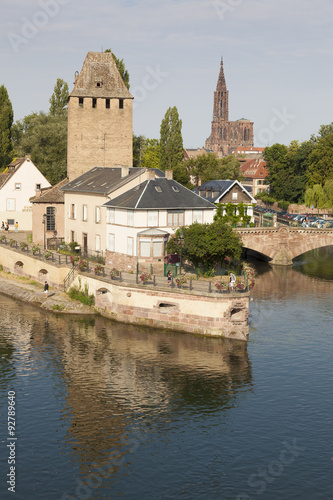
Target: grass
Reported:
point(58, 307)
point(82, 295)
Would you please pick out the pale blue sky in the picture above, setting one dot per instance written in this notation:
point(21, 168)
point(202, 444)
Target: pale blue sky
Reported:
point(277, 59)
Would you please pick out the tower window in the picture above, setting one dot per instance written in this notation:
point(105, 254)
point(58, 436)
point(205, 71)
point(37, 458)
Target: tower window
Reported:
point(121, 103)
point(80, 102)
point(94, 102)
point(99, 84)
point(107, 103)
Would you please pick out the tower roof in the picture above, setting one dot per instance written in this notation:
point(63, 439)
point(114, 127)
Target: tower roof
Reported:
point(99, 77)
point(221, 84)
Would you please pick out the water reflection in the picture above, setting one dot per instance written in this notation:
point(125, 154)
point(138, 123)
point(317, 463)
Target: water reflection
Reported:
point(317, 263)
point(112, 384)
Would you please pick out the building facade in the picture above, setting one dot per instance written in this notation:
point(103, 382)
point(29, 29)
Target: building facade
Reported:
point(227, 135)
point(99, 117)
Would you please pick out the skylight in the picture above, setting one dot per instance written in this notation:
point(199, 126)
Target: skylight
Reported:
point(176, 189)
point(158, 189)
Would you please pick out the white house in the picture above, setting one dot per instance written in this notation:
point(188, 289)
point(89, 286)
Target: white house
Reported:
point(140, 221)
point(18, 183)
point(84, 197)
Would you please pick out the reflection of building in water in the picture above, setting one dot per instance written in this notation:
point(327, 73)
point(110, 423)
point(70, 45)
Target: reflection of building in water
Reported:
point(284, 281)
point(114, 372)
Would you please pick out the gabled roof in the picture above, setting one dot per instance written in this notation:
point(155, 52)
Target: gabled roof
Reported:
point(99, 77)
point(102, 180)
point(12, 168)
point(254, 169)
point(160, 194)
point(52, 194)
point(221, 188)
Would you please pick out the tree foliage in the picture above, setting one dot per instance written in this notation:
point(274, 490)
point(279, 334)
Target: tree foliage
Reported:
point(6, 122)
point(206, 244)
point(121, 68)
point(59, 99)
point(232, 214)
point(171, 141)
point(44, 136)
point(146, 152)
point(207, 167)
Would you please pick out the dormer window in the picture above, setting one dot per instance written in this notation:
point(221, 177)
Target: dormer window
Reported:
point(99, 82)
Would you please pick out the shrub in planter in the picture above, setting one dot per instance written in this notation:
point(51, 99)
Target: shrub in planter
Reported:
point(2, 238)
point(145, 277)
point(221, 286)
point(74, 258)
point(82, 265)
point(114, 273)
point(181, 281)
point(47, 254)
point(35, 249)
point(98, 269)
point(23, 245)
point(12, 242)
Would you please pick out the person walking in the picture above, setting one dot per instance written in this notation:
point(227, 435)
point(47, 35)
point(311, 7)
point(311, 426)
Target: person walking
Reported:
point(169, 276)
point(16, 227)
point(46, 289)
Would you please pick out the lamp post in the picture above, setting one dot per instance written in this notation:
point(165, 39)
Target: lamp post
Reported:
point(181, 241)
point(44, 223)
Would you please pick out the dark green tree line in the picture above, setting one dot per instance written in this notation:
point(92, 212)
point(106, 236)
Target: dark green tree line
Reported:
point(6, 122)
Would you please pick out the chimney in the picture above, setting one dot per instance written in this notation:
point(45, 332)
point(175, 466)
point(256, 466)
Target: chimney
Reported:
point(151, 174)
point(169, 174)
point(28, 156)
point(124, 171)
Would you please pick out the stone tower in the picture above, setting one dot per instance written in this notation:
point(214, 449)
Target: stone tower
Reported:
point(100, 128)
point(226, 136)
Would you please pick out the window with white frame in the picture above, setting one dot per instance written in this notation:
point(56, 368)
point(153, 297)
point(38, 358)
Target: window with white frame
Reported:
point(97, 215)
point(152, 218)
point(130, 217)
point(234, 196)
point(158, 248)
point(17, 186)
point(111, 242)
point(198, 216)
point(144, 247)
point(97, 243)
point(84, 212)
point(130, 245)
point(110, 215)
point(10, 205)
point(175, 218)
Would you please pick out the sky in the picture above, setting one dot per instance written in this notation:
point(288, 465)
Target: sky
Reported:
point(277, 57)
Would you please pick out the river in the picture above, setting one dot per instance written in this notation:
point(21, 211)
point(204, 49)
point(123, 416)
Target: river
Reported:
point(106, 410)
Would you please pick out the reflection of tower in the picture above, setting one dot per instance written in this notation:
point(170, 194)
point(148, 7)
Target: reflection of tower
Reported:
point(100, 131)
point(226, 136)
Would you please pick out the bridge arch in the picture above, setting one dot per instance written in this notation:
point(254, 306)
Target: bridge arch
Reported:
point(281, 245)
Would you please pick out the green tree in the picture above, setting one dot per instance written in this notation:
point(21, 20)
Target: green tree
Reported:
point(171, 141)
point(6, 122)
point(151, 156)
point(314, 197)
point(121, 68)
point(139, 142)
point(207, 167)
point(59, 99)
point(206, 244)
point(321, 157)
point(44, 136)
point(328, 193)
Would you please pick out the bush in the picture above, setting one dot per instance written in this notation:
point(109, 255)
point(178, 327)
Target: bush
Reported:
point(35, 249)
point(82, 295)
point(283, 204)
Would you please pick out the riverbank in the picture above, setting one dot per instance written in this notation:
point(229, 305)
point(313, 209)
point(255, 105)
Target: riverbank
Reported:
point(32, 292)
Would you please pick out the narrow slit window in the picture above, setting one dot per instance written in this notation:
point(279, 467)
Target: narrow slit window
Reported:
point(107, 103)
point(80, 102)
point(94, 102)
point(121, 103)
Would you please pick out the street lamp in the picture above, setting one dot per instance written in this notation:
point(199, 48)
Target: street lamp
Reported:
point(44, 222)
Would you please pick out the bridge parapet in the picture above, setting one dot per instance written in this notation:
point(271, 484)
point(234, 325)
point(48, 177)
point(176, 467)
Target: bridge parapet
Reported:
point(281, 245)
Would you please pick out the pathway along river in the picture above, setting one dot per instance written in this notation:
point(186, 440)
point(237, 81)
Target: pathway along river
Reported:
point(106, 410)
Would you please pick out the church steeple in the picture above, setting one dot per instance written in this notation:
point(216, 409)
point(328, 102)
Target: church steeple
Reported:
point(221, 98)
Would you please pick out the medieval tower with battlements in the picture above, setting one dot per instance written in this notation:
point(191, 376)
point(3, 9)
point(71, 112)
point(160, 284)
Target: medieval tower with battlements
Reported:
point(100, 125)
point(226, 136)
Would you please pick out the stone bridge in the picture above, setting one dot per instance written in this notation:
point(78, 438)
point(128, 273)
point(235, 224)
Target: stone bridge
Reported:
point(281, 245)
